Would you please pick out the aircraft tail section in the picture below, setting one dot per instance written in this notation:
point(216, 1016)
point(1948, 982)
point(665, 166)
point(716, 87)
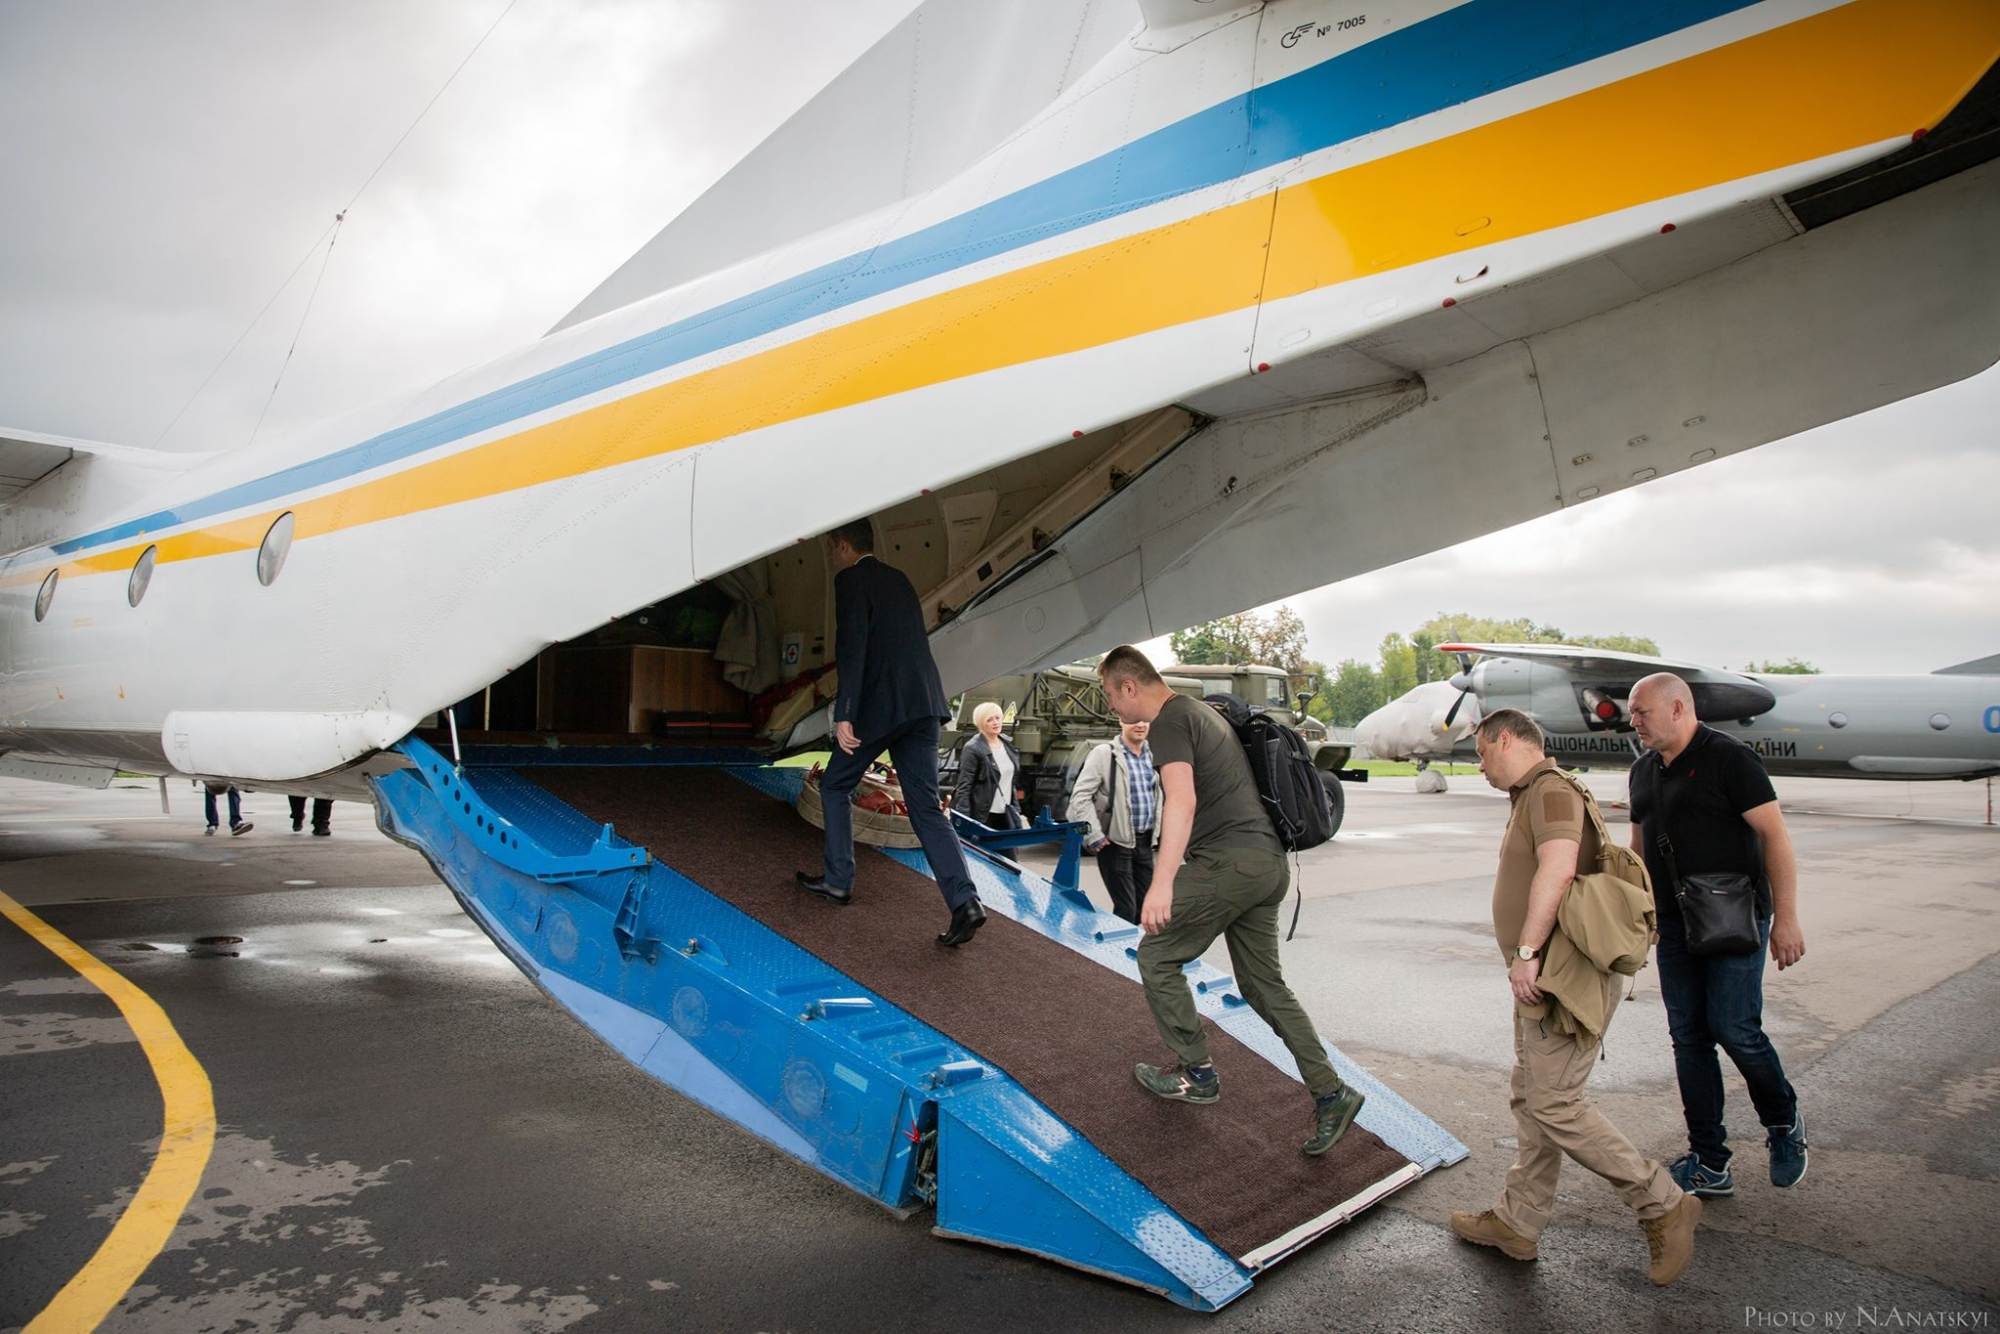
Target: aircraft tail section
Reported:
point(941, 89)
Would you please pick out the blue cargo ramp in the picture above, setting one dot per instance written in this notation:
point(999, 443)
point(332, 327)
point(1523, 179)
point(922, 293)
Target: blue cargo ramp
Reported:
point(687, 963)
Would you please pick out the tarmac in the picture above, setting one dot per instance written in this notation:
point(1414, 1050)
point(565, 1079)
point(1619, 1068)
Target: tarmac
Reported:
point(412, 1136)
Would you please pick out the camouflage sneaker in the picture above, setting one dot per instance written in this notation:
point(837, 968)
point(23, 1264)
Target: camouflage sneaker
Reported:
point(1176, 1084)
point(1332, 1115)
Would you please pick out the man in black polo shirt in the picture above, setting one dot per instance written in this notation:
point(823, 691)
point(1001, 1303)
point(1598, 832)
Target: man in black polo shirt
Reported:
point(1708, 793)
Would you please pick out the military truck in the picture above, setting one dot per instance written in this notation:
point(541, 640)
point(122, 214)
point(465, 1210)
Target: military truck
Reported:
point(1056, 715)
point(1053, 717)
point(1270, 688)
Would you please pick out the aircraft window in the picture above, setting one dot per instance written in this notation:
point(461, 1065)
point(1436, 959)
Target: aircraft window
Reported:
point(1940, 721)
point(46, 595)
point(142, 575)
point(276, 546)
point(1836, 720)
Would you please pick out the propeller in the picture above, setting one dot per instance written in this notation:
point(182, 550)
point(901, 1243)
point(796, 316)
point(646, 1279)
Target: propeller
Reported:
point(1463, 680)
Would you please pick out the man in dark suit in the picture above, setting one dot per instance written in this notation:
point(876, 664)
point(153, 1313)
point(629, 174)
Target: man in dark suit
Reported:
point(890, 699)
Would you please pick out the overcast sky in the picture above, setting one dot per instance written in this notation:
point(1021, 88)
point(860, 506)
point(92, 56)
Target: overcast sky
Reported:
point(165, 167)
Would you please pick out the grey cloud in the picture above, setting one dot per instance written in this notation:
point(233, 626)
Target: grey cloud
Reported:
point(173, 163)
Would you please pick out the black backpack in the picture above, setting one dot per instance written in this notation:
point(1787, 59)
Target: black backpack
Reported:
point(1292, 790)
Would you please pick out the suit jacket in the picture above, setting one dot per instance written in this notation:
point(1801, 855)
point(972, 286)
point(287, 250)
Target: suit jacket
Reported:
point(887, 674)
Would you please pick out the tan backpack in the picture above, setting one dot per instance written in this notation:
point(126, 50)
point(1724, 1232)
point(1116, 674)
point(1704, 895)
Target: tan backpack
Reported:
point(1608, 913)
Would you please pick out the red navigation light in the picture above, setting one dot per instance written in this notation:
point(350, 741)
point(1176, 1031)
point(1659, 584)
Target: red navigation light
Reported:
point(1666, 227)
point(1606, 709)
point(1450, 301)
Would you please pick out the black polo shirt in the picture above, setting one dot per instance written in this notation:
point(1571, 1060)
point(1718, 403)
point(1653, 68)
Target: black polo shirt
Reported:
point(1699, 803)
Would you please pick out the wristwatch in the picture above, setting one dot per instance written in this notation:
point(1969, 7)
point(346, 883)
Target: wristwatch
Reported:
point(1527, 952)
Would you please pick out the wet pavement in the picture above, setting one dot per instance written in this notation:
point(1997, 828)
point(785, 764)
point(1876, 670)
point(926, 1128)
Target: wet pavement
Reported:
point(412, 1136)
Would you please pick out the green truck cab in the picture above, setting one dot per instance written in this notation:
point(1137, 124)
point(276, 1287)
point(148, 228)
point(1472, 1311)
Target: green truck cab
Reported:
point(1056, 715)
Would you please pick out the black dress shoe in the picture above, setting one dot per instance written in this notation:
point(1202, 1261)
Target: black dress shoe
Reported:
point(967, 918)
point(816, 884)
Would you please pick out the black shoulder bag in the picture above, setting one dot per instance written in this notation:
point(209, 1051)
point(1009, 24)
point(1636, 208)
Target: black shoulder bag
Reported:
point(1718, 908)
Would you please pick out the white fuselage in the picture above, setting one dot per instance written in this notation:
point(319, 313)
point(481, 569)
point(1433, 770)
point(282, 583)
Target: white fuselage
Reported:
point(1218, 215)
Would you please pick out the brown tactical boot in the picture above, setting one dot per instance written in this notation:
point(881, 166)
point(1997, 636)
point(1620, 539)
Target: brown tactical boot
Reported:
point(1486, 1229)
point(1670, 1238)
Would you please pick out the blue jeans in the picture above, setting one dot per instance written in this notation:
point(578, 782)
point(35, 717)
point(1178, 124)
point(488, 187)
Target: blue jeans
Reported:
point(1719, 1001)
point(235, 806)
point(913, 750)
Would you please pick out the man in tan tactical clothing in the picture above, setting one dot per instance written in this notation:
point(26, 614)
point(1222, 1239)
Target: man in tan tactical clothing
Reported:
point(1547, 833)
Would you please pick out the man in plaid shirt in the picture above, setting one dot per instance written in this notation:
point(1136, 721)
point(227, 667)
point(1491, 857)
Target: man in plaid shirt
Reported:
point(1118, 795)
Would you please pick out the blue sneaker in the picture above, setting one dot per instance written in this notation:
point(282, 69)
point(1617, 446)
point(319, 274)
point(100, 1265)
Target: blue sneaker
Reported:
point(1788, 1152)
point(1702, 1181)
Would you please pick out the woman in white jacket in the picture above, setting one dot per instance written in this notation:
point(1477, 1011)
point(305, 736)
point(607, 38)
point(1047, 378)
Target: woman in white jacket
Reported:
point(1118, 795)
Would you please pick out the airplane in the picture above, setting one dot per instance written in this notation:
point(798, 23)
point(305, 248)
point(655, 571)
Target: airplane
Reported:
point(1937, 726)
point(1196, 334)
point(1112, 316)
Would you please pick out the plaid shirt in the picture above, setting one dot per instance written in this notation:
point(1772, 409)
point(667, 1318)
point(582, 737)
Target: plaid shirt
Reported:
point(1140, 781)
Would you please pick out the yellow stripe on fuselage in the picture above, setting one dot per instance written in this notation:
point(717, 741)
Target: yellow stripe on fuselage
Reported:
point(1864, 73)
point(1843, 79)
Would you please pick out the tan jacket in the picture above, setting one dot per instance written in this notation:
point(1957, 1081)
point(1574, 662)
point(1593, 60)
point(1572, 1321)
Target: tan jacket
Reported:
point(1607, 912)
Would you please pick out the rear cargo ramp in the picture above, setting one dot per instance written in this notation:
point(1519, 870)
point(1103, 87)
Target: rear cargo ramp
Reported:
point(1067, 1029)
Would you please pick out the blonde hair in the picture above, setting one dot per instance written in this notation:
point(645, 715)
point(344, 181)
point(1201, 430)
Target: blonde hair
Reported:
point(986, 710)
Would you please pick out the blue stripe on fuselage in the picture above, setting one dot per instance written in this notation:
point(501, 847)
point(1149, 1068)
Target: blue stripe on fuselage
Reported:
point(1478, 48)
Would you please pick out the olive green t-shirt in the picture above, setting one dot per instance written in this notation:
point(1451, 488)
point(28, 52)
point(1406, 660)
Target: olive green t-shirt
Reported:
point(1227, 810)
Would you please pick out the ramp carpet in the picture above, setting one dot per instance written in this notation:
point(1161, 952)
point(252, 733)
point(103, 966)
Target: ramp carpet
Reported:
point(1068, 1029)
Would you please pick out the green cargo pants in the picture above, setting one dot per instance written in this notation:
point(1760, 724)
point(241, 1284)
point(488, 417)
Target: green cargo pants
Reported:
point(1234, 893)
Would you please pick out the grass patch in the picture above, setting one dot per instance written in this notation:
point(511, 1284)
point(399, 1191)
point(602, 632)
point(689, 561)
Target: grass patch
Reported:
point(1405, 769)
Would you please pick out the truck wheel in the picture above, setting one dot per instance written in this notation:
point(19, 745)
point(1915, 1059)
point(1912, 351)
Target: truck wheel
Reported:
point(1336, 800)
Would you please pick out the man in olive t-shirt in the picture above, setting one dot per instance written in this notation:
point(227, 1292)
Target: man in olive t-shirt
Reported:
point(1220, 871)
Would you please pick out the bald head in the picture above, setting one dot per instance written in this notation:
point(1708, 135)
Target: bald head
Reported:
point(1662, 712)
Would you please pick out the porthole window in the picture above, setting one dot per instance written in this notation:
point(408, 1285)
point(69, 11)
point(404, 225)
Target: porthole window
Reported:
point(46, 595)
point(277, 545)
point(142, 575)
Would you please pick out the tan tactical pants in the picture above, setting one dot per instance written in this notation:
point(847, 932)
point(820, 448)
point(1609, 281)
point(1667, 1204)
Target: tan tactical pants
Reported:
point(1552, 1118)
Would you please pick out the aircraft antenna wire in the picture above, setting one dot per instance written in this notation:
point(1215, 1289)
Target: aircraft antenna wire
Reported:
point(272, 397)
point(332, 231)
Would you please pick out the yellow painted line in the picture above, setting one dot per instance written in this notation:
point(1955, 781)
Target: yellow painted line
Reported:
point(187, 1135)
point(1861, 74)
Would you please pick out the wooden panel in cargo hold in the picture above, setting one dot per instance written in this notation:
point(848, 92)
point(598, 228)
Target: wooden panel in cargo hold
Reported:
point(625, 687)
point(679, 680)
